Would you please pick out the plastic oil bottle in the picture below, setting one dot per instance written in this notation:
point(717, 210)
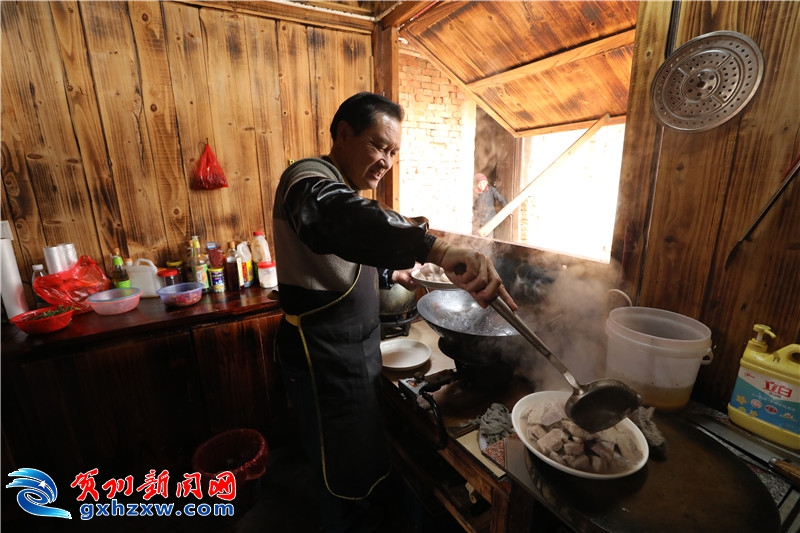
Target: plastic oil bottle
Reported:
point(260, 251)
point(119, 275)
point(765, 396)
point(38, 272)
point(247, 263)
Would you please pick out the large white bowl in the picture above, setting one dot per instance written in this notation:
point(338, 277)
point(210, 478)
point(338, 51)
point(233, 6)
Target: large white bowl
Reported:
point(520, 426)
point(115, 301)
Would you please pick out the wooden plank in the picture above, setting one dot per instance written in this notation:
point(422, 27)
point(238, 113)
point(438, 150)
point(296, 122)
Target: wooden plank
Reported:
point(589, 50)
point(574, 92)
point(88, 126)
point(115, 66)
point(234, 212)
point(186, 46)
point(763, 280)
point(292, 12)
point(337, 80)
point(387, 82)
point(44, 180)
point(401, 13)
point(159, 112)
point(693, 175)
point(262, 48)
point(297, 106)
point(640, 150)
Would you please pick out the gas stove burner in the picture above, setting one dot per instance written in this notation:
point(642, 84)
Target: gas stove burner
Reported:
point(482, 377)
point(397, 325)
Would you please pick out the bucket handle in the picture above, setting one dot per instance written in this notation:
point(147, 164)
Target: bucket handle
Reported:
point(708, 357)
point(624, 295)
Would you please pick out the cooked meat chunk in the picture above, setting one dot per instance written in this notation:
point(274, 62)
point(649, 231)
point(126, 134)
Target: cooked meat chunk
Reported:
point(552, 442)
point(563, 441)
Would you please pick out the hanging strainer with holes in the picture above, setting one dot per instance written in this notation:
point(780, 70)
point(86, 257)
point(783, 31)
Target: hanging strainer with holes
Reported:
point(707, 81)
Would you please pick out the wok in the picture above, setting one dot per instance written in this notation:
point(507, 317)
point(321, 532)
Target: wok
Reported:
point(476, 336)
point(396, 300)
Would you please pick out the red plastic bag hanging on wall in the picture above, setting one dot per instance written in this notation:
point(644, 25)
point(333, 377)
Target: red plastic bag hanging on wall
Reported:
point(72, 287)
point(209, 174)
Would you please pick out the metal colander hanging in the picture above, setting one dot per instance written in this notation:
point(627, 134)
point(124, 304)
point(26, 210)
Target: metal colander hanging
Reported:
point(707, 81)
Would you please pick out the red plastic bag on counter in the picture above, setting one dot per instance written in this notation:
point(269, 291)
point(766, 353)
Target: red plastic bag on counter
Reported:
point(209, 174)
point(72, 287)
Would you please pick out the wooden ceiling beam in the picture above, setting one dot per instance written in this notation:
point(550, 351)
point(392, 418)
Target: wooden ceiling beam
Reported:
point(595, 48)
point(301, 13)
point(404, 12)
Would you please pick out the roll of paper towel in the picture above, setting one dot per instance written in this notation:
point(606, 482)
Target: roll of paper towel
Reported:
point(13, 294)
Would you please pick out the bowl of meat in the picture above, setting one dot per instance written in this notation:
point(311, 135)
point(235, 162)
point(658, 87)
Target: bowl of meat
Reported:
point(541, 423)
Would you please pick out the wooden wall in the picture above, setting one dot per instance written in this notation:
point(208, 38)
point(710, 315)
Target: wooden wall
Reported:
point(687, 197)
point(106, 108)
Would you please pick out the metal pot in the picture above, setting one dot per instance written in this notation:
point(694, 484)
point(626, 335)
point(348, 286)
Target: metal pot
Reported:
point(474, 335)
point(397, 301)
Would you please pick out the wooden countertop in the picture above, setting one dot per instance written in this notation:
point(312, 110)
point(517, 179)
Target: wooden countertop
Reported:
point(150, 316)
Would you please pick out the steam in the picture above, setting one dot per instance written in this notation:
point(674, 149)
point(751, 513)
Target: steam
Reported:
point(569, 318)
point(566, 307)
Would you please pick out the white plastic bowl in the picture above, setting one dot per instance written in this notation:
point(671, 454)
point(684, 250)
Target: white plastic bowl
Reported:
point(115, 301)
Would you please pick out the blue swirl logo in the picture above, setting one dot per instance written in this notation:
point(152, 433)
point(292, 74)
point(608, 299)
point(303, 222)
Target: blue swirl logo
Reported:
point(37, 491)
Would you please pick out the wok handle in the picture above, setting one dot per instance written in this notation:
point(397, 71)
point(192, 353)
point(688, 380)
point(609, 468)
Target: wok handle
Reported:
point(512, 318)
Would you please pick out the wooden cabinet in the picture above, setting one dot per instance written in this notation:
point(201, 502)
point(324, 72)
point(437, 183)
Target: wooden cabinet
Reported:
point(126, 404)
point(238, 374)
point(142, 399)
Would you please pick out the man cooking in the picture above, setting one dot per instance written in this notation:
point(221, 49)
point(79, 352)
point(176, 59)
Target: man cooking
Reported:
point(330, 243)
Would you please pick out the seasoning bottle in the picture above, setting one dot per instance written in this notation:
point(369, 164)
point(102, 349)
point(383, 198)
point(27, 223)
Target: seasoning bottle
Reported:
point(119, 275)
point(168, 276)
point(198, 266)
point(216, 277)
point(247, 263)
point(233, 268)
point(176, 265)
point(267, 275)
point(38, 272)
point(260, 251)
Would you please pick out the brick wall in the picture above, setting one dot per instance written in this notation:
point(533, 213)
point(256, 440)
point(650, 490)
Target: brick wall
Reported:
point(437, 151)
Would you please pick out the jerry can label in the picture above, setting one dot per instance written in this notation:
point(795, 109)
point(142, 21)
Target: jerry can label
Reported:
point(768, 399)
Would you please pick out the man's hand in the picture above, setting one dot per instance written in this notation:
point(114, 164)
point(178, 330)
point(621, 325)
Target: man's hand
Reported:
point(471, 271)
point(403, 277)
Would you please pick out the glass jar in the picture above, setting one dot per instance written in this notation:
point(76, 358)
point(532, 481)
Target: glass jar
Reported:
point(177, 265)
point(169, 276)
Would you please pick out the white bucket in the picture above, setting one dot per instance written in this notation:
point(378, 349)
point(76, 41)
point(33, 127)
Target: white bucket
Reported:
point(658, 353)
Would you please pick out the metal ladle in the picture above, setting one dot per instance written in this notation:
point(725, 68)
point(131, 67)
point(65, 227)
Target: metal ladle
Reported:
point(595, 406)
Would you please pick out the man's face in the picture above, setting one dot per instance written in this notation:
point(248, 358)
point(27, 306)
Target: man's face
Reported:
point(365, 158)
